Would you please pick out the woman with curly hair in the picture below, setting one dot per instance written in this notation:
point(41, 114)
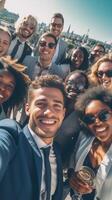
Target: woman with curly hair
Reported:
point(13, 85)
point(101, 72)
point(94, 147)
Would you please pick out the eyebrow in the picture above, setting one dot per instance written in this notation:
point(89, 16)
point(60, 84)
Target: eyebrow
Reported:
point(55, 100)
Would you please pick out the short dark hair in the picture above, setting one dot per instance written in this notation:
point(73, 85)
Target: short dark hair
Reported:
point(58, 15)
point(52, 81)
point(100, 45)
point(48, 34)
point(94, 93)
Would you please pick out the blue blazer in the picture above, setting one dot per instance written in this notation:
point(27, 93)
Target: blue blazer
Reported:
point(21, 164)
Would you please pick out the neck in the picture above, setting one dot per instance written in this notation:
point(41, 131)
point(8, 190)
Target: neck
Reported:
point(47, 140)
point(21, 38)
point(45, 63)
point(105, 145)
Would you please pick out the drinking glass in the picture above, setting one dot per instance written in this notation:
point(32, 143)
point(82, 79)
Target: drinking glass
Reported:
point(87, 175)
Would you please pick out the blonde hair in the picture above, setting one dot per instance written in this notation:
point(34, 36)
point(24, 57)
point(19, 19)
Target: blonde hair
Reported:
point(26, 18)
point(93, 73)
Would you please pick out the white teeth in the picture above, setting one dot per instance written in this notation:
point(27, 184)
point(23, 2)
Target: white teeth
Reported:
point(26, 32)
point(106, 83)
point(100, 129)
point(1, 96)
point(46, 121)
point(45, 52)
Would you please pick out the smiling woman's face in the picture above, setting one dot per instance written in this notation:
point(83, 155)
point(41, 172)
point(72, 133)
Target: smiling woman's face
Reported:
point(105, 74)
point(7, 85)
point(98, 117)
point(75, 85)
point(77, 58)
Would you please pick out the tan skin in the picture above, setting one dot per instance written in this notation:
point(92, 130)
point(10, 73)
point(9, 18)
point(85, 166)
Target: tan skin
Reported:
point(4, 42)
point(101, 144)
point(105, 81)
point(26, 29)
point(56, 26)
point(46, 112)
point(46, 54)
point(98, 52)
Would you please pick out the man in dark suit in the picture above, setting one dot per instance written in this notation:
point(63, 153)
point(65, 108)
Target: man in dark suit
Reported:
point(56, 27)
point(23, 165)
point(19, 47)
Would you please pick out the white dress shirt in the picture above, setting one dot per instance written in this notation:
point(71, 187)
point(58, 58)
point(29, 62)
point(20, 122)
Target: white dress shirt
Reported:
point(20, 48)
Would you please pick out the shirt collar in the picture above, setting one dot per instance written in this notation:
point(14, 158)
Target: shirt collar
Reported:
point(22, 42)
point(40, 65)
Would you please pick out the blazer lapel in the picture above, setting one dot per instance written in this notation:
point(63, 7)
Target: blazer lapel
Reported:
point(104, 169)
point(59, 189)
point(37, 162)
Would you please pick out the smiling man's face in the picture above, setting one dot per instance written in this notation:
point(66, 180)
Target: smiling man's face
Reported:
point(46, 112)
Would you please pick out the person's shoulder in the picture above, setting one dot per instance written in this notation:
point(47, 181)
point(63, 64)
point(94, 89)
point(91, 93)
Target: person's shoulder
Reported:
point(57, 145)
point(64, 67)
point(10, 126)
point(63, 42)
point(29, 59)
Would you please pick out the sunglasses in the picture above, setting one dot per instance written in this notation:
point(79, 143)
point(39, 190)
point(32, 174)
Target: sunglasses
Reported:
point(58, 25)
point(50, 45)
point(103, 116)
point(98, 51)
point(101, 73)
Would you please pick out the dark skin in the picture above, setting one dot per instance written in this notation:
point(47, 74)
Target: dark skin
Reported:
point(103, 139)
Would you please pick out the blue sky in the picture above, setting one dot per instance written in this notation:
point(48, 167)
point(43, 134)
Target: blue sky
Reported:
point(95, 15)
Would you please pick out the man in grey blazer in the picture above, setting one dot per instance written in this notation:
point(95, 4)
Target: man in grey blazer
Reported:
point(42, 64)
point(56, 27)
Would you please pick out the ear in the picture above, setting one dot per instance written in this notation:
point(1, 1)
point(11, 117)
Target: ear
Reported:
point(64, 110)
point(27, 108)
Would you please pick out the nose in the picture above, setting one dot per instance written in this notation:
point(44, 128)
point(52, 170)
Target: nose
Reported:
point(49, 111)
point(97, 120)
point(104, 76)
point(2, 88)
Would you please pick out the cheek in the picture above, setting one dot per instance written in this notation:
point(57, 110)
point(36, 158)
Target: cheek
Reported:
point(82, 59)
point(91, 127)
point(9, 94)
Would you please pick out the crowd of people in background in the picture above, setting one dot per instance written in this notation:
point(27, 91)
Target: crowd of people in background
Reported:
point(58, 105)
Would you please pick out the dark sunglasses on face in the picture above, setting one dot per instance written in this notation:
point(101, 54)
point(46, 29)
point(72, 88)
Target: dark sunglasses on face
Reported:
point(98, 51)
point(103, 116)
point(107, 73)
point(58, 25)
point(51, 45)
